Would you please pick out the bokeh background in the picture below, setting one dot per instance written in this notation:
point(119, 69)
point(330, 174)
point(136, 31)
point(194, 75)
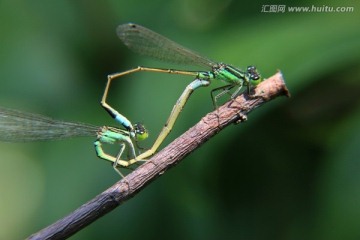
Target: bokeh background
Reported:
point(291, 172)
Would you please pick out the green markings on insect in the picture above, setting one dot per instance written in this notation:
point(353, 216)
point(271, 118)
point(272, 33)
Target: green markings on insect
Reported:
point(149, 43)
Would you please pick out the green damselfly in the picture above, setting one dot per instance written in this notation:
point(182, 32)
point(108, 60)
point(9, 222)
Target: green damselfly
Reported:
point(19, 126)
point(146, 42)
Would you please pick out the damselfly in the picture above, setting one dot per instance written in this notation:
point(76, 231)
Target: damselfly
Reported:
point(146, 42)
point(18, 126)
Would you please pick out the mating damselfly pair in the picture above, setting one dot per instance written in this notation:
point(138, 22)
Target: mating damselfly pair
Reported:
point(19, 126)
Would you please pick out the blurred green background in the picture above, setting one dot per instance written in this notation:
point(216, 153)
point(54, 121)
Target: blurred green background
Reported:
point(291, 172)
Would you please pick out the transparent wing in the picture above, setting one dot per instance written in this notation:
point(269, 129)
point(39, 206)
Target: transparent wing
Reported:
point(146, 42)
point(18, 126)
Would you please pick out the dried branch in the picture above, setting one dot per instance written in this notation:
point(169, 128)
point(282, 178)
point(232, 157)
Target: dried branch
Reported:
point(234, 111)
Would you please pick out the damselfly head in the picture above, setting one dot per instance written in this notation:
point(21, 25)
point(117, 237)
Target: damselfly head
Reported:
point(253, 75)
point(141, 132)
